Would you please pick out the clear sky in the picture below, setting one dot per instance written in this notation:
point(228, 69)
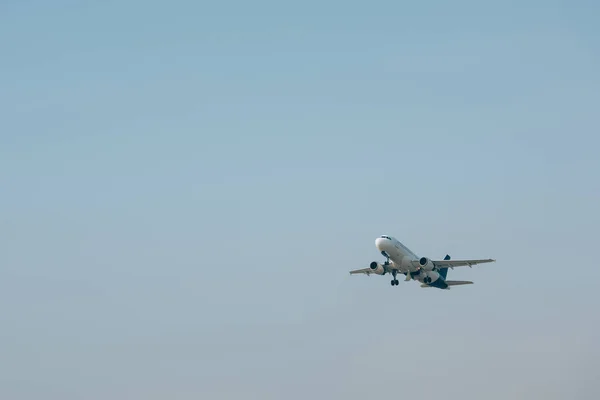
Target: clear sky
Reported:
point(185, 185)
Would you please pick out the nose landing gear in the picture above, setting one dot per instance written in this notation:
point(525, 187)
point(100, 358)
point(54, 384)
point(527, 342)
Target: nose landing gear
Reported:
point(394, 281)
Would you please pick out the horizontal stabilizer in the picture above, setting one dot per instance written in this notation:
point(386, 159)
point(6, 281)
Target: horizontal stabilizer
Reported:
point(456, 283)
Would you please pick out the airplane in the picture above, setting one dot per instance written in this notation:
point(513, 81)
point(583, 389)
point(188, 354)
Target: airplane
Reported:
point(399, 259)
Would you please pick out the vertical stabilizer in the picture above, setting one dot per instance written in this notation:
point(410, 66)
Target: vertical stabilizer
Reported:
point(444, 271)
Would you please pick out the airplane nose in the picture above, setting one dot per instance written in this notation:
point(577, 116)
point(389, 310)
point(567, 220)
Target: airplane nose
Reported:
point(379, 243)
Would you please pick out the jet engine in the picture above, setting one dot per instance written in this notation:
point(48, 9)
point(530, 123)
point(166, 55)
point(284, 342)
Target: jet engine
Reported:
point(426, 264)
point(377, 268)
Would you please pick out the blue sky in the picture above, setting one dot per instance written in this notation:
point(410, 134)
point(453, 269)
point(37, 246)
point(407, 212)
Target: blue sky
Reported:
point(185, 186)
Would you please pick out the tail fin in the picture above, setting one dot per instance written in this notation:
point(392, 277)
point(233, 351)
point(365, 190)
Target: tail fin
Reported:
point(444, 271)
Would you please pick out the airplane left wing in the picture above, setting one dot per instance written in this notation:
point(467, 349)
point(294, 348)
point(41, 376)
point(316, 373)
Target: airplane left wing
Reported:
point(459, 263)
point(367, 271)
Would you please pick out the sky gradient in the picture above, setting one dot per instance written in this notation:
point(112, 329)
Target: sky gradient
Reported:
point(184, 187)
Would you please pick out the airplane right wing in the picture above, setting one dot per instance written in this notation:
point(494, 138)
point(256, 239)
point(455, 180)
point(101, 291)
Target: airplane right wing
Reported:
point(459, 263)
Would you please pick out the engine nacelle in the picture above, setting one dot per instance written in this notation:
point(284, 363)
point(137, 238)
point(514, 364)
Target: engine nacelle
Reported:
point(426, 264)
point(377, 268)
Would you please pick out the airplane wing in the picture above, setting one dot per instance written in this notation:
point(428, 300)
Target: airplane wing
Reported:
point(460, 263)
point(367, 271)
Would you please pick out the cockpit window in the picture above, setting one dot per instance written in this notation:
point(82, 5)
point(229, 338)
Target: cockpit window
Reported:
point(386, 237)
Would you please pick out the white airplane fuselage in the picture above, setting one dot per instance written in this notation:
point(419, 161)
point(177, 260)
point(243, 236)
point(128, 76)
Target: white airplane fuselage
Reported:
point(396, 252)
point(402, 260)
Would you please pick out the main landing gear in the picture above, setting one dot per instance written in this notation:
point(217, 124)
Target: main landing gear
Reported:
point(394, 281)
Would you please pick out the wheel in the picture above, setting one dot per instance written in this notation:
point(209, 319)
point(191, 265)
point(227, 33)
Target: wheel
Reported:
point(392, 283)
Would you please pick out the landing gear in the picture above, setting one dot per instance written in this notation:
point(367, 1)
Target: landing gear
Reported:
point(387, 258)
point(394, 281)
